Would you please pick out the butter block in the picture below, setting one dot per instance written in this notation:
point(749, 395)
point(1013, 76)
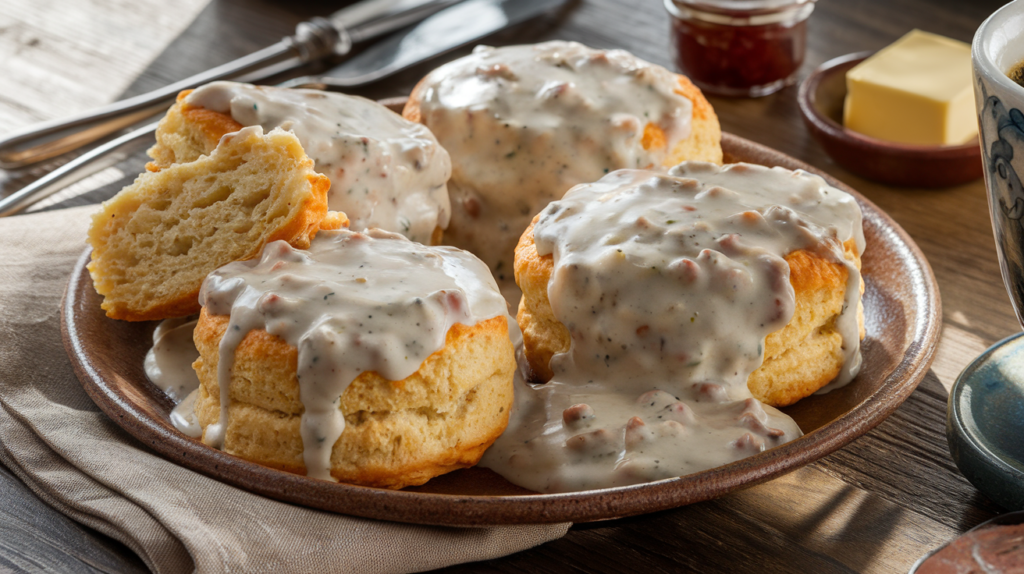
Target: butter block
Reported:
point(916, 91)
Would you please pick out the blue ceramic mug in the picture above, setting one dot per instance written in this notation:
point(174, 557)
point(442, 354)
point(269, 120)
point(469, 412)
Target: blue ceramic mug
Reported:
point(997, 48)
point(984, 422)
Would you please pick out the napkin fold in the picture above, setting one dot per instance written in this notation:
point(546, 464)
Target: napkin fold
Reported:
point(76, 459)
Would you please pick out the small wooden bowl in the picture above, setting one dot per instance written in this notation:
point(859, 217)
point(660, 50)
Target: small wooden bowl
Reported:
point(821, 98)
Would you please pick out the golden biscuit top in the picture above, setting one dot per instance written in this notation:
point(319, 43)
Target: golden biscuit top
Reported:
point(384, 300)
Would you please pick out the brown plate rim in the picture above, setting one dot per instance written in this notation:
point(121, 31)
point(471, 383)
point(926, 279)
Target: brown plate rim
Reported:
point(476, 510)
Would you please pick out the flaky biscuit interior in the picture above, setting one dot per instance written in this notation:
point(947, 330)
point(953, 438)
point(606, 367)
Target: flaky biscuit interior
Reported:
point(155, 241)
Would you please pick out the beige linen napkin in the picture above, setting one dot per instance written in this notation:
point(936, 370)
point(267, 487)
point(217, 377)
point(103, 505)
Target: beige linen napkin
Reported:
point(77, 460)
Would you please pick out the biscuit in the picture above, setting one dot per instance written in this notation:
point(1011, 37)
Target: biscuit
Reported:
point(187, 132)
point(397, 433)
point(704, 143)
point(798, 359)
point(385, 171)
point(156, 240)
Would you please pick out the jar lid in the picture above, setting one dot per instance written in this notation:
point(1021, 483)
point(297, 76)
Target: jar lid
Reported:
point(741, 7)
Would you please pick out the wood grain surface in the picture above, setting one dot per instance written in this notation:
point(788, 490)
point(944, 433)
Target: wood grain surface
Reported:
point(874, 506)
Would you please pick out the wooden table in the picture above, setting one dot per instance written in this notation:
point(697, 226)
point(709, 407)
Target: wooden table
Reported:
point(874, 506)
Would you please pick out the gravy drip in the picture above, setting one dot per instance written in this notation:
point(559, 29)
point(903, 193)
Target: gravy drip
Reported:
point(169, 361)
point(184, 418)
point(168, 365)
point(668, 285)
point(523, 124)
point(385, 172)
point(353, 302)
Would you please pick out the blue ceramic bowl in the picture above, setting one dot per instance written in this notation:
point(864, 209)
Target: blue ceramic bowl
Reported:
point(985, 422)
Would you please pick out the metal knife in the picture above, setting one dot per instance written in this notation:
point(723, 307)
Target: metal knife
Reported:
point(446, 30)
point(443, 32)
point(313, 40)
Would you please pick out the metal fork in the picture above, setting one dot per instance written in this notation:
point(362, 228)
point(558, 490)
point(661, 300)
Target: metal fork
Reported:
point(313, 40)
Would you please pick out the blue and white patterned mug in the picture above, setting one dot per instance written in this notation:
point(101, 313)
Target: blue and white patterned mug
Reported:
point(997, 48)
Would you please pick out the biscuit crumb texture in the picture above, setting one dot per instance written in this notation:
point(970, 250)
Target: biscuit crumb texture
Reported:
point(185, 133)
point(156, 240)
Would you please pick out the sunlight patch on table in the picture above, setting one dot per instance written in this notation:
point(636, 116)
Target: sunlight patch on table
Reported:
point(58, 58)
point(861, 530)
point(957, 348)
point(81, 187)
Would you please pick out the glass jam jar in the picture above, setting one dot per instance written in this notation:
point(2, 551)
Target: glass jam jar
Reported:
point(739, 48)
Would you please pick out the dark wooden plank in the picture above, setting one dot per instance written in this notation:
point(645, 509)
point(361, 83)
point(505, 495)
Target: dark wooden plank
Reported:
point(707, 537)
point(872, 506)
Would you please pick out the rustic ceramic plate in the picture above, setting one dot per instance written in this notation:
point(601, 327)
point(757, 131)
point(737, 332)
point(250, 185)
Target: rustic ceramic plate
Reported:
point(902, 313)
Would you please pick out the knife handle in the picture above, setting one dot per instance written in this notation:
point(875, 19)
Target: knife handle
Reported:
point(312, 40)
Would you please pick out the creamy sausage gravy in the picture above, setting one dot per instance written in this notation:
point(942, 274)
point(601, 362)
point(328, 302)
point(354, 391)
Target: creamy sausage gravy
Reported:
point(353, 302)
point(168, 365)
point(385, 172)
point(169, 361)
point(668, 284)
point(523, 124)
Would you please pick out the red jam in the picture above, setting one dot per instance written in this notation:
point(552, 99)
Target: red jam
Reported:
point(733, 52)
